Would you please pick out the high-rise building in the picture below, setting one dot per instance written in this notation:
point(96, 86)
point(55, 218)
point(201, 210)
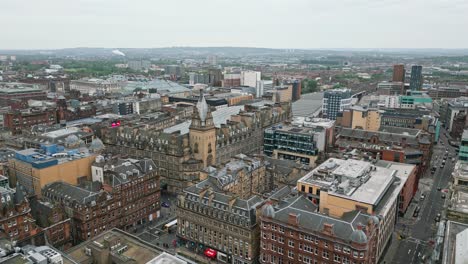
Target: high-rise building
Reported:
point(250, 78)
point(260, 89)
point(399, 73)
point(416, 80)
point(297, 90)
point(212, 60)
point(335, 101)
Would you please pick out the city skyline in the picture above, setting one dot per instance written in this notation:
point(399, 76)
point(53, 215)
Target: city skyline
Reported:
point(298, 24)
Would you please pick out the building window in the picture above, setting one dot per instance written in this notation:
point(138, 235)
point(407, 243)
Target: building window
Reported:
point(325, 254)
point(291, 243)
point(290, 254)
point(336, 258)
point(281, 239)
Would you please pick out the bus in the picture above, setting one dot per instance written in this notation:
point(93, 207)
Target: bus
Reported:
point(170, 224)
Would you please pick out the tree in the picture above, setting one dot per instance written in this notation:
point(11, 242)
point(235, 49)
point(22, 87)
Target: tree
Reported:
point(309, 86)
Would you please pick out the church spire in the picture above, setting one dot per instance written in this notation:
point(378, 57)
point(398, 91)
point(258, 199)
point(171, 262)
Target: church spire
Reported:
point(202, 117)
point(202, 107)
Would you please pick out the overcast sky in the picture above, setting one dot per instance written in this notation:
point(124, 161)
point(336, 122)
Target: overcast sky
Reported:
point(52, 24)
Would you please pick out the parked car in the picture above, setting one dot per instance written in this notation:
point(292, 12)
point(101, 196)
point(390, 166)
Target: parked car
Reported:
point(164, 204)
point(415, 214)
point(437, 218)
point(443, 196)
point(422, 196)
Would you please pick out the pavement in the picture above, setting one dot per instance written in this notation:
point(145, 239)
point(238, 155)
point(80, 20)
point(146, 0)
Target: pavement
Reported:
point(413, 240)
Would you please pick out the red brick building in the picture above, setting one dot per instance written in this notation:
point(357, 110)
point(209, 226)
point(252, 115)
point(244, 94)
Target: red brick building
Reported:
point(55, 224)
point(17, 120)
point(70, 114)
point(297, 233)
point(399, 73)
point(16, 222)
point(129, 196)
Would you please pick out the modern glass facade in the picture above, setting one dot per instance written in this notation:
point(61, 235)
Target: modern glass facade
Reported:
point(463, 153)
point(289, 141)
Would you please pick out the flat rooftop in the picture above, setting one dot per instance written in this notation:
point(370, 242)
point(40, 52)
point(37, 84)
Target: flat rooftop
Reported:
point(62, 132)
point(460, 201)
point(137, 249)
point(361, 180)
point(296, 129)
point(455, 237)
point(313, 121)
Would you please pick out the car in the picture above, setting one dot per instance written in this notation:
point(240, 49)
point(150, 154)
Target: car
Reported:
point(415, 214)
point(441, 165)
point(164, 204)
point(437, 218)
point(438, 189)
point(422, 196)
point(453, 159)
point(443, 196)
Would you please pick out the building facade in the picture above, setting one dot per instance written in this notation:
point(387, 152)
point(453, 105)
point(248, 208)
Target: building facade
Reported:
point(17, 121)
point(335, 101)
point(339, 187)
point(209, 138)
point(250, 78)
point(33, 169)
point(294, 143)
point(210, 219)
point(16, 221)
point(297, 233)
point(399, 73)
point(129, 196)
point(416, 80)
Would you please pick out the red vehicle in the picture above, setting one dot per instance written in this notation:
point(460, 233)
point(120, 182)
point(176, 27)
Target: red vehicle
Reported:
point(210, 253)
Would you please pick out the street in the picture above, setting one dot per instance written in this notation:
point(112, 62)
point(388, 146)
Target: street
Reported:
point(155, 233)
point(418, 233)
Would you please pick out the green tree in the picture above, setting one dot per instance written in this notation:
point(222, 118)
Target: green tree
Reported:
point(309, 86)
